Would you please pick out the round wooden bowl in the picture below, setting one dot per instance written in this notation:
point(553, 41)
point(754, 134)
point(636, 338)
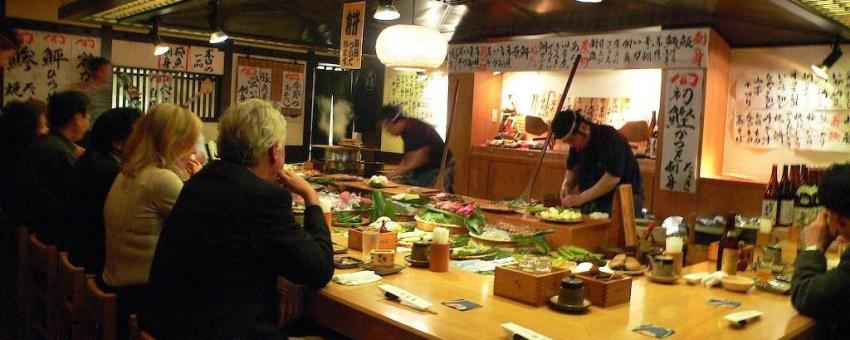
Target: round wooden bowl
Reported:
point(454, 229)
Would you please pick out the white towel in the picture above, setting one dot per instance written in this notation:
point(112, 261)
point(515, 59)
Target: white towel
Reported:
point(356, 278)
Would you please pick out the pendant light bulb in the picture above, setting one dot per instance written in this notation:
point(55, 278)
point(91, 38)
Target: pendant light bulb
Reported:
point(218, 36)
point(386, 11)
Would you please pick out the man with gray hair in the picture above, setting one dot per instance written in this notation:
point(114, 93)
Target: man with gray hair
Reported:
point(231, 233)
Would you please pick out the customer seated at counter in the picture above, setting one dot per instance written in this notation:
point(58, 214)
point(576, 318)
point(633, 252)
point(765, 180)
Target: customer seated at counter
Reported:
point(142, 197)
point(232, 233)
point(423, 150)
point(816, 292)
point(599, 160)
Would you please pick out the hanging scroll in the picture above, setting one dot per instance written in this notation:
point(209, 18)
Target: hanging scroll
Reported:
point(351, 37)
point(683, 105)
point(47, 62)
point(684, 48)
point(253, 82)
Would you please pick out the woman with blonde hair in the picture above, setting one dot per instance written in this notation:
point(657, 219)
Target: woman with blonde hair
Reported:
point(141, 197)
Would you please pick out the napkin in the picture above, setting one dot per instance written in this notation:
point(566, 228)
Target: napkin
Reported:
point(357, 278)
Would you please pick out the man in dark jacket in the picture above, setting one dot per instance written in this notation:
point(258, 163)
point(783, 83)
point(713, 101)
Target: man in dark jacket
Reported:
point(816, 292)
point(89, 183)
point(45, 172)
point(232, 233)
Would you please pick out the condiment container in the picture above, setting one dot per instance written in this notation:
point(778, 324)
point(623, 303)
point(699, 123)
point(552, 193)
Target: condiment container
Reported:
point(607, 292)
point(572, 292)
point(531, 288)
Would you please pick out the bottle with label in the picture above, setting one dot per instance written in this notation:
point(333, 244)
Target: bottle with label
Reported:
point(786, 200)
point(652, 146)
point(727, 249)
point(770, 202)
point(802, 198)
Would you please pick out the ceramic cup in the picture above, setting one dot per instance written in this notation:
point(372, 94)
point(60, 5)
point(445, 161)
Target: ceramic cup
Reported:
point(572, 291)
point(419, 252)
point(383, 258)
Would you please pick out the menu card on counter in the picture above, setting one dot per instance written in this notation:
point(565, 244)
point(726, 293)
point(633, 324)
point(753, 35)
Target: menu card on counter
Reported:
point(683, 105)
point(47, 62)
point(662, 49)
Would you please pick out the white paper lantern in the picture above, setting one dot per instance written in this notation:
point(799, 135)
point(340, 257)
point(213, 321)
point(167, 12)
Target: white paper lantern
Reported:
point(411, 47)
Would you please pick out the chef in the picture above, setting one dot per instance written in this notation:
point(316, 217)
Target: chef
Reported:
point(599, 160)
point(423, 150)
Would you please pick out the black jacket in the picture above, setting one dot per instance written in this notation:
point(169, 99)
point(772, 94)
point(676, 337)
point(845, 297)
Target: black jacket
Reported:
point(823, 295)
point(228, 238)
point(84, 234)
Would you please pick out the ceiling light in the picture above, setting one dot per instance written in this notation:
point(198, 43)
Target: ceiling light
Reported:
point(386, 11)
point(411, 48)
point(159, 48)
point(218, 36)
point(214, 20)
point(821, 69)
point(590, 1)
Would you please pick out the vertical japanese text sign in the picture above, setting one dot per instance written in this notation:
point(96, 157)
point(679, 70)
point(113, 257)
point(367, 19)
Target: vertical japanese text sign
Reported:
point(351, 39)
point(683, 104)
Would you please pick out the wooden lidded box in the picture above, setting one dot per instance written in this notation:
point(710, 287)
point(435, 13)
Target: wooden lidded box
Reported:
point(607, 293)
point(530, 288)
point(388, 240)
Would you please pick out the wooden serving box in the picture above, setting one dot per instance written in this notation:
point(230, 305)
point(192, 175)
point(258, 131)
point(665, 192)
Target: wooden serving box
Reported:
point(607, 293)
point(530, 288)
point(388, 240)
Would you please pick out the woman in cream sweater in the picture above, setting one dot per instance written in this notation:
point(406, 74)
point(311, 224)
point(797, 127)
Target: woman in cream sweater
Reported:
point(154, 168)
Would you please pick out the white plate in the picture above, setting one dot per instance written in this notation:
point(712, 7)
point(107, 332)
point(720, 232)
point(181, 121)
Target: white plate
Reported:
point(695, 278)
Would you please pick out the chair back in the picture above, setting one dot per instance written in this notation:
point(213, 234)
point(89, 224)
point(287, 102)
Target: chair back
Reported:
point(37, 273)
point(70, 284)
point(98, 321)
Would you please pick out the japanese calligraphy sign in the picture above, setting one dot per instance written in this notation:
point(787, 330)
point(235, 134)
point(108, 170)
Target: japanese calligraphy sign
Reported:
point(46, 63)
point(794, 110)
point(351, 39)
point(205, 60)
point(176, 59)
point(681, 48)
point(683, 105)
point(161, 88)
point(292, 96)
point(424, 98)
point(253, 82)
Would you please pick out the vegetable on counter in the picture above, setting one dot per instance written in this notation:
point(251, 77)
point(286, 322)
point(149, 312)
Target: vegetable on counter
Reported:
point(579, 255)
point(348, 218)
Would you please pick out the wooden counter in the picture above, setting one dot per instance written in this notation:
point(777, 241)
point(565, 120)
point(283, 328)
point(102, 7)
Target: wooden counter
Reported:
point(362, 312)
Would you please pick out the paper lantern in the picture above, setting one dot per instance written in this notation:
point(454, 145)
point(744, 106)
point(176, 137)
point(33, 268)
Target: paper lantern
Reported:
point(411, 48)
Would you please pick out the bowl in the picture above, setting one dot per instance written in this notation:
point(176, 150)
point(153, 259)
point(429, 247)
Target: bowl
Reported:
point(737, 283)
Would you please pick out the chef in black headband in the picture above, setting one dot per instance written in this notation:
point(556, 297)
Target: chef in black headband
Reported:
point(423, 149)
point(600, 159)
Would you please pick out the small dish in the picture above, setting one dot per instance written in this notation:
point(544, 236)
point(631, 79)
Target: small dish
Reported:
point(416, 263)
point(737, 283)
point(383, 271)
point(553, 303)
point(347, 262)
point(662, 279)
point(695, 278)
point(339, 249)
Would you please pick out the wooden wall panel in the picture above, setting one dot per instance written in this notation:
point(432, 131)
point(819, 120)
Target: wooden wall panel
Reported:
point(488, 96)
point(723, 196)
point(479, 170)
point(461, 127)
point(507, 179)
point(716, 100)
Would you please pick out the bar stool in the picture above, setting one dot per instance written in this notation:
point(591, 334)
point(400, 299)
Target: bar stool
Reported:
point(98, 317)
point(69, 286)
point(37, 271)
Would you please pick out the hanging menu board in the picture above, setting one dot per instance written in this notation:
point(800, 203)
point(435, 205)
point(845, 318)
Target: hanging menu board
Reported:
point(47, 62)
point(285, 80)
point(683, 105)
point(608, 111)
point(663, 49)
point(423, 98)
point(793, 110)
point(351, 37)
point(195, 59)
point(253, 82)
point(161, 88)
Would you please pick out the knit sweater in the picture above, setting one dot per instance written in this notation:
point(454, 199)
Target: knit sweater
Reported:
point(134, 214)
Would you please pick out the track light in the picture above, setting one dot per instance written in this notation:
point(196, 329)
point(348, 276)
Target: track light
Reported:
point(213, 19)
point(386, 11)
point(159, 48)
point(589, 1)
point(821, 69)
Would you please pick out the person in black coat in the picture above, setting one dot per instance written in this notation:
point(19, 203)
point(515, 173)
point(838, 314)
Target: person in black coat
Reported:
point(84, 235)
point(231, 233)
point(816, 292)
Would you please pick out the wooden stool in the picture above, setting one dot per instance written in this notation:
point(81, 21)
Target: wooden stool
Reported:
point(69, 287)
point(98, 316)
point(37, 272)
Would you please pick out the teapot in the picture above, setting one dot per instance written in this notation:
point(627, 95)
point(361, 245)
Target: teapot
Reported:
point(661, 266)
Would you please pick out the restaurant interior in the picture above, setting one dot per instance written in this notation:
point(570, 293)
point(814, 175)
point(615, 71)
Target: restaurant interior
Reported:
point(730, 112)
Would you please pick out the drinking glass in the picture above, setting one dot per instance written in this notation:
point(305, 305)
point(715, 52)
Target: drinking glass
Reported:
point(764, 269)
point(528, 263)
point(371, 240)
point(543, 264)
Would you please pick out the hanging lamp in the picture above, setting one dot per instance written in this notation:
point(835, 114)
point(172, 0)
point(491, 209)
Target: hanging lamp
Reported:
point(411, 47)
